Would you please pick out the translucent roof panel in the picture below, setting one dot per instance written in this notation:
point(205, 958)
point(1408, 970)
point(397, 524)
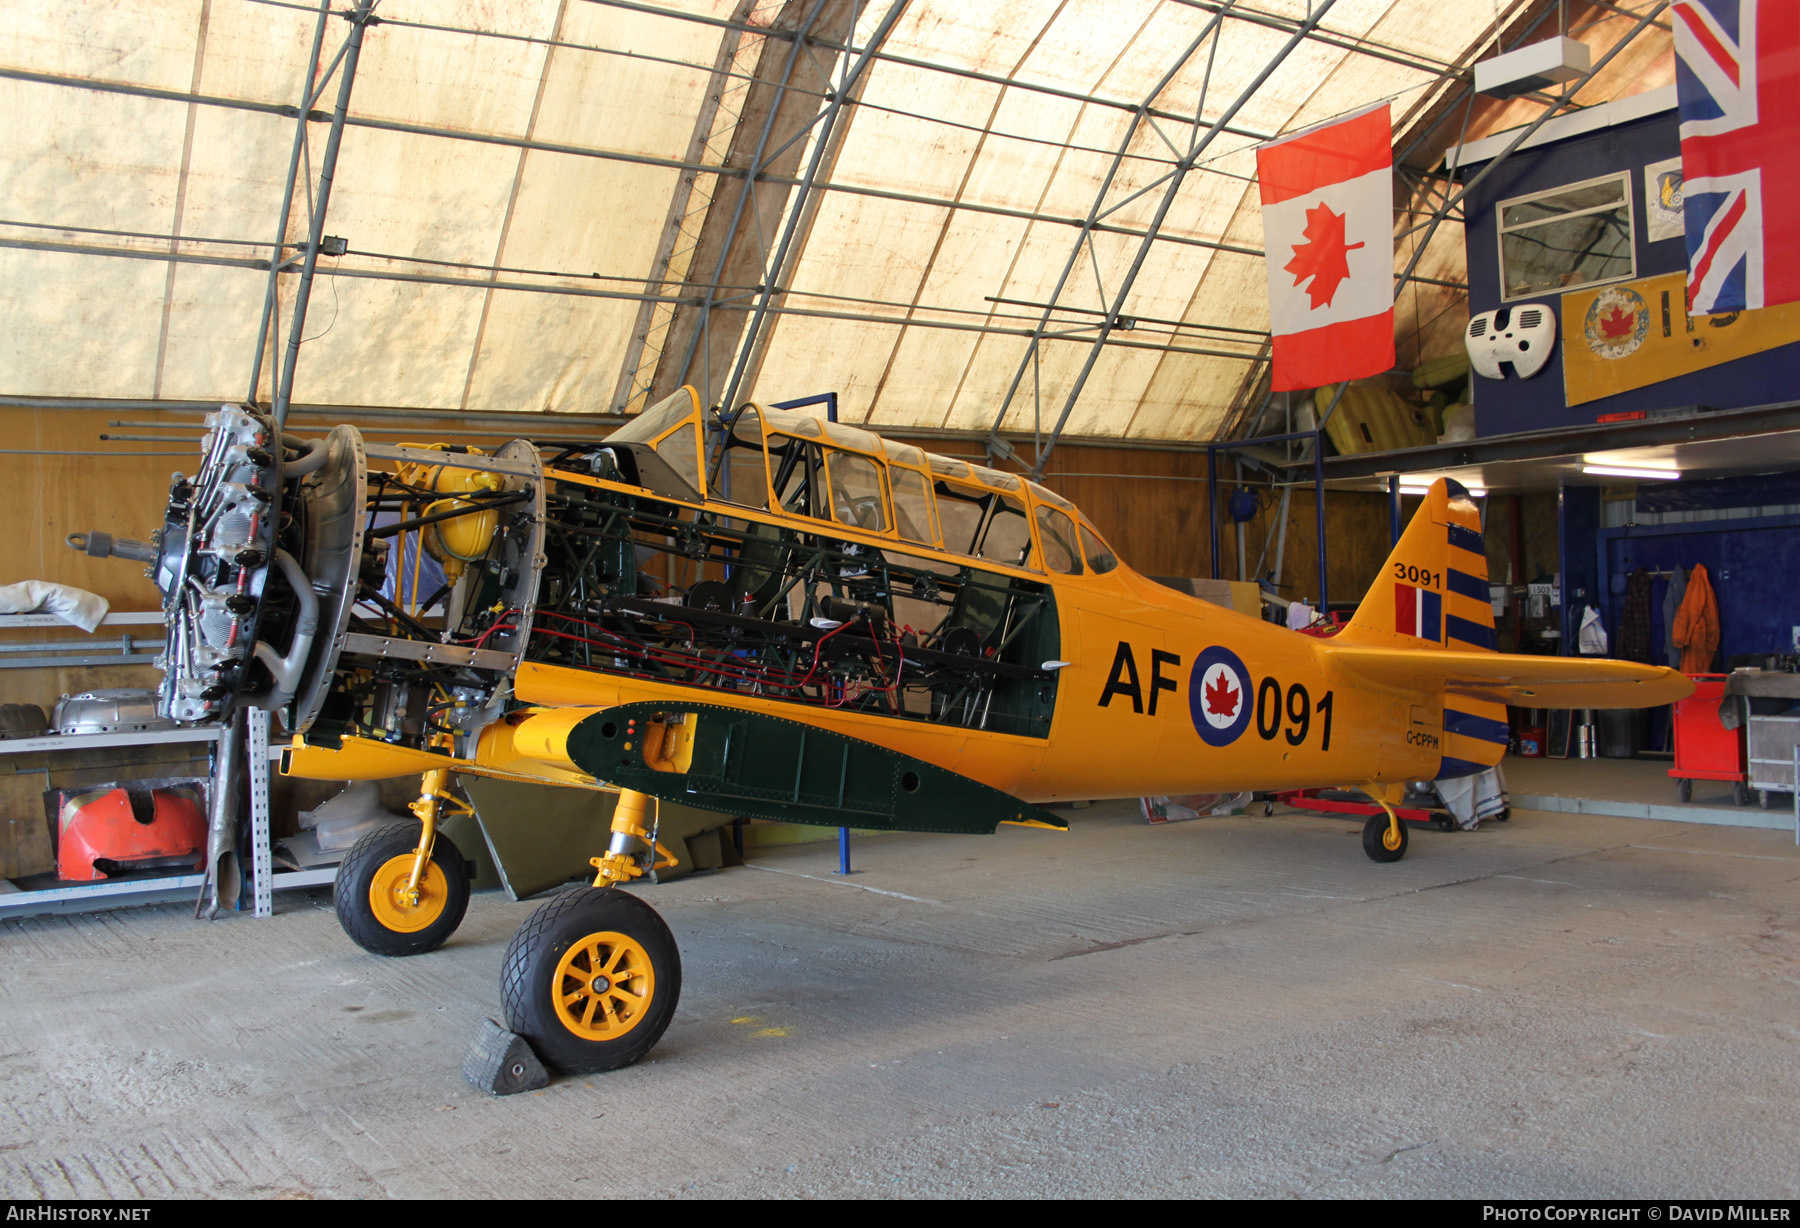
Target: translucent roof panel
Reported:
point(997, 246)
point(444, 206)
point(534, 195)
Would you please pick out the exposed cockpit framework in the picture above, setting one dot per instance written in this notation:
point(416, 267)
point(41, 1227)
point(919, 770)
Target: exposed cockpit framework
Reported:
point(803, 562)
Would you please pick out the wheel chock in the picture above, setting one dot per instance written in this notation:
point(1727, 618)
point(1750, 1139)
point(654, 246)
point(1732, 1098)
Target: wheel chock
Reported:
point(501, 1063)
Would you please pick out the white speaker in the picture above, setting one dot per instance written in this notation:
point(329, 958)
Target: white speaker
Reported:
point(1522, 336)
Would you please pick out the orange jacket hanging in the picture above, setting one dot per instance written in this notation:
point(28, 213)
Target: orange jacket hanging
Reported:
point(1696, 630)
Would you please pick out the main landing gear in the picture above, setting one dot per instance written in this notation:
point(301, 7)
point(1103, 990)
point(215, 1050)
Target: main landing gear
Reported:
point(590, 980)
point(402, 890)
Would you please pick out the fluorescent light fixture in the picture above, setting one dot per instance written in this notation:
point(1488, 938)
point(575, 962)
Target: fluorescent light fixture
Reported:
point(1420, 486)
point(1643, 474)
point(1536, 67)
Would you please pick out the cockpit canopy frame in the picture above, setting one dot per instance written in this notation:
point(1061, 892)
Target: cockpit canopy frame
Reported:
point(768, 459)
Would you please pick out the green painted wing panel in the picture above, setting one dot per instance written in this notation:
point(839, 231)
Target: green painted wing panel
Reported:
point(767, 767)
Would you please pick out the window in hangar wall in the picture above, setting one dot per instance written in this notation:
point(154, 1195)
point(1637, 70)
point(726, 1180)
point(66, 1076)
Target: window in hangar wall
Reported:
point(1576, 235)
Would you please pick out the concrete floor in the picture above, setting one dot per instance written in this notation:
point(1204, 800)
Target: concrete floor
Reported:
point(1639, 789)
point(1559, 1006)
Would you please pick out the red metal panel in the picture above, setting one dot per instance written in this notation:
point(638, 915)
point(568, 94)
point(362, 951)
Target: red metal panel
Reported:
point(1704, 748)
point(106, 829)
point(1308, 799)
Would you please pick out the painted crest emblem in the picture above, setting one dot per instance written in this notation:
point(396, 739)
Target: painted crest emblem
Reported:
point(1668, 190)
point(1219, 696)
point(1617, 322)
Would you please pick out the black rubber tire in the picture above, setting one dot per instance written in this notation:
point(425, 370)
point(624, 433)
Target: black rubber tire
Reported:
point(528, 977)
point(1444, 823)
point(1684, 789)
point(1372, 845)
point(1740, 793)
point(350, 891)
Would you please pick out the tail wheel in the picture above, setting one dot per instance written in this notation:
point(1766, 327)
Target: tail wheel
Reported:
point(1379, 842)
point(591, 980)
point(374, 906)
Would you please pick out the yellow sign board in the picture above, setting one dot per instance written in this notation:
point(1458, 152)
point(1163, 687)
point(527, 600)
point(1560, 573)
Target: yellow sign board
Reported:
point(1636, 333)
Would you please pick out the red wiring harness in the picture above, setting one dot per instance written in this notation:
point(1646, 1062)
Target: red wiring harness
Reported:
point(619, 645)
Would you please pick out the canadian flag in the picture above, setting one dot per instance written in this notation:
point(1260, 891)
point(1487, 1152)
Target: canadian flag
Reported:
point(1328, 238)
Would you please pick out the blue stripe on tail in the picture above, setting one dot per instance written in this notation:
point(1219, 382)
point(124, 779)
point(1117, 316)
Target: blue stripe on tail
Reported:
point(1473, 634)
point(1452, 767)
point(1471, 726)
point(1466, 539)
point(1468, 585)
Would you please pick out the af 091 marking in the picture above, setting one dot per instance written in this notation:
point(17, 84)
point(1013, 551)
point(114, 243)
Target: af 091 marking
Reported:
point(1221, 699)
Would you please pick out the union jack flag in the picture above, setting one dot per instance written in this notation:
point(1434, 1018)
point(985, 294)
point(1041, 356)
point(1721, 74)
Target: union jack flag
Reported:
point(1735, 78)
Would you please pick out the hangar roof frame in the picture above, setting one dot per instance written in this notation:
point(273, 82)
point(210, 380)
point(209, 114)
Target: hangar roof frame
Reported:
point(1142, 355)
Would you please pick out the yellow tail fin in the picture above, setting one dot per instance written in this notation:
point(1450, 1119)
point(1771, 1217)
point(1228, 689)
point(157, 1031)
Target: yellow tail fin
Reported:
point(1432, 593)
point(1427, 627)
point(1433, 590)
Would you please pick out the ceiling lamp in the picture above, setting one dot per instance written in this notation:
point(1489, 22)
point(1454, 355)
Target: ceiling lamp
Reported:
point(1422, 486)
point(1640, 472)
point(1537, 67)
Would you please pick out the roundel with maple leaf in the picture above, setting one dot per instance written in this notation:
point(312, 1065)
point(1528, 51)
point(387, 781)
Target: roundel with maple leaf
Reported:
point(1219, 696)
point(1617, 322)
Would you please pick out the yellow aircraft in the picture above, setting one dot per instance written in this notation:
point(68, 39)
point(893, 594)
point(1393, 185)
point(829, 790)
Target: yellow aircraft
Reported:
point(772, 616)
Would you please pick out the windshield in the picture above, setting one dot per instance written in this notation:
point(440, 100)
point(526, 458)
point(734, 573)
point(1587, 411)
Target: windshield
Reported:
point(671, 428)
point(1100, 558)
point(654, 421)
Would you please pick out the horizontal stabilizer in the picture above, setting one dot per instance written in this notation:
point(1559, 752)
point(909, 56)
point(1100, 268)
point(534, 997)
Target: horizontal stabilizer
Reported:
point(1525, 681)
point(1427, 625)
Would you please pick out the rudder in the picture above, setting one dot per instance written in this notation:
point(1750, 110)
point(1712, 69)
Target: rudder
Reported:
point(1433, 594)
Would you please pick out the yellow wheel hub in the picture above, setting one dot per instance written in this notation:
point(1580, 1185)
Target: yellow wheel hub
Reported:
point(1390, 838)
point(604, 985)
point(387, 895)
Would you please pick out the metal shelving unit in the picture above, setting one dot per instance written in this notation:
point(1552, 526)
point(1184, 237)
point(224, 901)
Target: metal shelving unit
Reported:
point(127, 649)
point(170, 888)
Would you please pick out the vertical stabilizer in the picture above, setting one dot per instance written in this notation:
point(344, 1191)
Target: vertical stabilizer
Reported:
point(1433, 590)
point(1432, 594)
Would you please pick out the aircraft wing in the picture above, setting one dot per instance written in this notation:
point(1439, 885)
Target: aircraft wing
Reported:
point(1527, 681)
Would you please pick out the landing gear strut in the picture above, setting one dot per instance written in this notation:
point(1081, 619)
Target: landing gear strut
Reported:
point(1384, 835)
